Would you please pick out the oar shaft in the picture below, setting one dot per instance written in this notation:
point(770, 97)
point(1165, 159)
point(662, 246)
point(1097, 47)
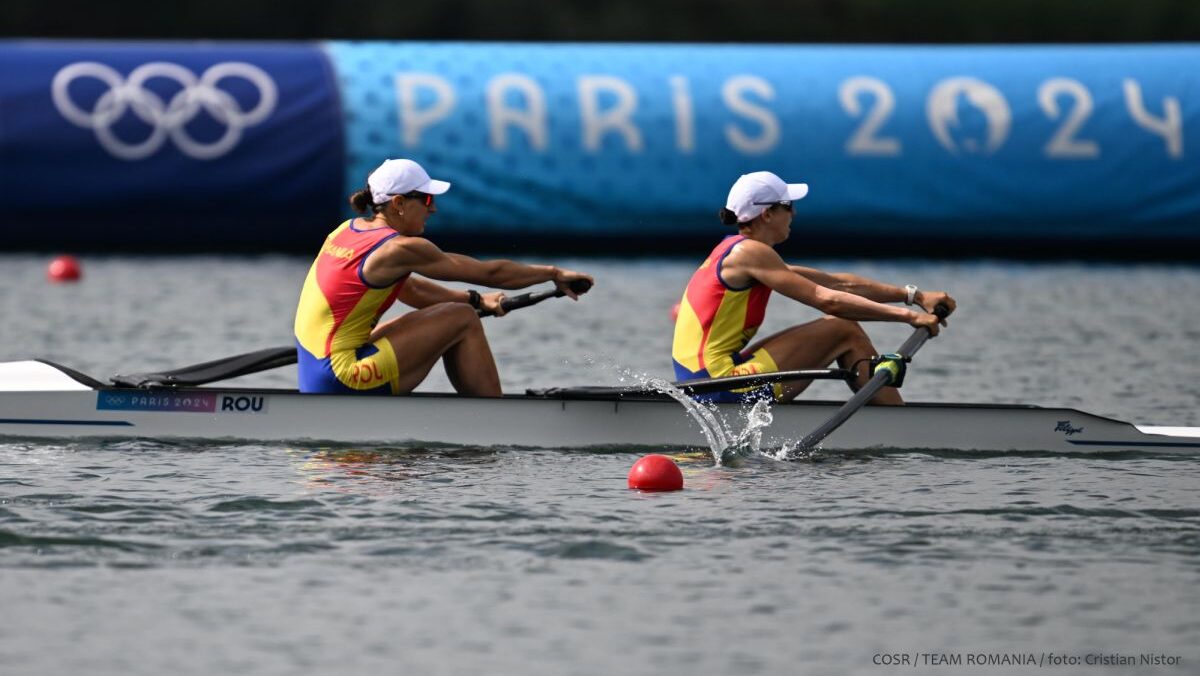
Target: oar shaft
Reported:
point(869, 390)
point(698, 386)
point(865, 394)
point(704, 385)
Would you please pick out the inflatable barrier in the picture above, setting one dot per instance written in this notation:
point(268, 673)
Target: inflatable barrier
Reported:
point(247, 147)
point(166, 146)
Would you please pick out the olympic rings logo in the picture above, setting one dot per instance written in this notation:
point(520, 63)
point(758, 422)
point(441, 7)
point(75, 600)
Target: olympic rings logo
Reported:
point(168, 119)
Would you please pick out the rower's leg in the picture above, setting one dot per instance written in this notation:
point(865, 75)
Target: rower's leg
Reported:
point(448, 331)
point(818, 344)
point(469, 363)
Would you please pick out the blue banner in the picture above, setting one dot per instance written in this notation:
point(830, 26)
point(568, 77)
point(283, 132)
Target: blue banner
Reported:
point(180, 145)
point(938, 142)
point(167, 145)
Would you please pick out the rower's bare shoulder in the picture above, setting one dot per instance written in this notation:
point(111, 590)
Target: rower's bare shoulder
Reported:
point(755, 253)
point(407, 249)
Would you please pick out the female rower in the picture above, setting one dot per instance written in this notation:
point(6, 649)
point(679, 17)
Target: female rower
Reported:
point(726, 299)
point(368, 263)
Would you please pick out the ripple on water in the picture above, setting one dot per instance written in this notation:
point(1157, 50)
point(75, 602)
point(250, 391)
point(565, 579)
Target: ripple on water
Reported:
point(258, 504)
point(588, 549)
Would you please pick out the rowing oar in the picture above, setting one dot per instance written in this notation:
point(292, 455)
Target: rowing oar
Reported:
point(535, 297)
point(698, 386)
point(888, 373)
point(274, 357)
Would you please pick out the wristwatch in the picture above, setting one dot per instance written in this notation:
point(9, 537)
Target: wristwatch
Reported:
point(474, 298)
point(911, 290)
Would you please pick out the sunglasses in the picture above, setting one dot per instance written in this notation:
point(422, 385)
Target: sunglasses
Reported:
point(420, 196)
point(786, 204)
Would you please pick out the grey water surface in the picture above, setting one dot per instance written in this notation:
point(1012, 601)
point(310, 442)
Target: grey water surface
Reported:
point(151, 558)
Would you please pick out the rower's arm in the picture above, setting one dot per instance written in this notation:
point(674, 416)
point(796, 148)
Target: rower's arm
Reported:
point(419, 292)
point(855, 284)
point(876, 291)
point(760, 262)
point(417, 254)
point(500, 273)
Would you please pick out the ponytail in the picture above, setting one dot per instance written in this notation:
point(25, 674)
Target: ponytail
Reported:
point(361, 201)
point(727, 217)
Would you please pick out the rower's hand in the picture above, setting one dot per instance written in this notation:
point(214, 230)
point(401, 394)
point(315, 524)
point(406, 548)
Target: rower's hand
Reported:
point(928, 321)
point(566, 279)
point(491, 303)
point(931, 299)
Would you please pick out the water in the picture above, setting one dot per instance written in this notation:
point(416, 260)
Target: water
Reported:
point(151, 558)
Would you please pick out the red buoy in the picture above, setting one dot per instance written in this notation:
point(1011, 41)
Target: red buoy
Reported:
point(655, 473)
point(64, 269)
point(675, 312)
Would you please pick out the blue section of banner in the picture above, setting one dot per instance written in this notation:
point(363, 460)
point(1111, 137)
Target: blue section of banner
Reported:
point(953, 142)
point(203, 145)
point(167, 145)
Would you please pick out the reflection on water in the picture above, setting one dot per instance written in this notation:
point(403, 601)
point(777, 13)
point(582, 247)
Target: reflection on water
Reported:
point(359, 469)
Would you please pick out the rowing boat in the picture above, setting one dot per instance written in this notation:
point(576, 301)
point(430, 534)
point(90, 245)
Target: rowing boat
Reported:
point(41, 399)
point(44, 400)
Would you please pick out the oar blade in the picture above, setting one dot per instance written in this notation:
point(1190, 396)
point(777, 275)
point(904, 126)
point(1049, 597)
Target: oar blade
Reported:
point(212, 371)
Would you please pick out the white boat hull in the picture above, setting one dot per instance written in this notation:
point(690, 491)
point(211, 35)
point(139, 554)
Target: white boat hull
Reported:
point(215, 414)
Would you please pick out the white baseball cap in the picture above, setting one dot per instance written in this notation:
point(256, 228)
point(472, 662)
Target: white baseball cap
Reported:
point(400, 177)
point(754, 193)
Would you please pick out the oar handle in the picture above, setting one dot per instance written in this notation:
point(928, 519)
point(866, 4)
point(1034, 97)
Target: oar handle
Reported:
point(918, 338)
point(535, 297)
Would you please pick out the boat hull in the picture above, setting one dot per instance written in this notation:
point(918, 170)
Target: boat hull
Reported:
point(536, 421)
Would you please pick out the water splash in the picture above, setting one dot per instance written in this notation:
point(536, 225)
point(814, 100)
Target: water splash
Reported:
point(792, 450)
point(757, 417)
point(727, 439)
point(706, 415)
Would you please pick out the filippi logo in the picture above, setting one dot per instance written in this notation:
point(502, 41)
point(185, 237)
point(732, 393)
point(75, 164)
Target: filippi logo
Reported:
point(953, 108)
point(1065, 427)
point(170, 118)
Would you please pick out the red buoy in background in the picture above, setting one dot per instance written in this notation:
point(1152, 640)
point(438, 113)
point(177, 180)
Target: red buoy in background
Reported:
point(64, 269)
point(675, 312)
point(655, 473)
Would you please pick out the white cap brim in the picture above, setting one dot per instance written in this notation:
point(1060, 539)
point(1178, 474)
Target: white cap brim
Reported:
point(434, 187)
point(796, 191)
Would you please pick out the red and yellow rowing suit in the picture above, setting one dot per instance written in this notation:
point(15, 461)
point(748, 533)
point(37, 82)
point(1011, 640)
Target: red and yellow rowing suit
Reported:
point(338, 309)
point(716, 321)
